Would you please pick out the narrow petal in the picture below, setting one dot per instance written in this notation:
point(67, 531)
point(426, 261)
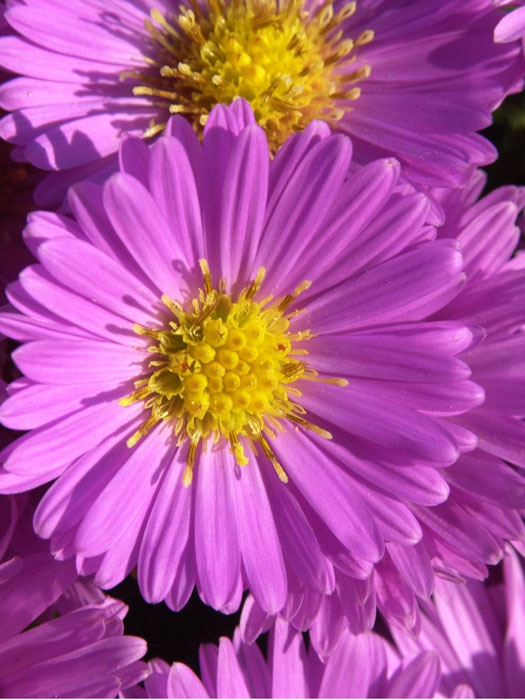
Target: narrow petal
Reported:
point(419, 679)
point(511, 27)
point(184, 683)
point(93, 274)
point(145, 232)
point(260, 547)
point(55, 447)
point(361, 413)
point(300, 211)
point(514, 645)
point(217, 548)
point(121, 503)
point(301, 549)
point(166, 534)
point(288, 661)
point(176, 195)
point(38, 404)
point(411, 286)
point(363, 659)
point(78, 362)
point(413, 563)
point(331, 494)
point(230, 679)
point(244, 203)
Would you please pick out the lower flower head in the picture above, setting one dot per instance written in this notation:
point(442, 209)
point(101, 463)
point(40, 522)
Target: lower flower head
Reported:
point(201, 406)
point(477, 631)
point(362, 666)
point(60, 636)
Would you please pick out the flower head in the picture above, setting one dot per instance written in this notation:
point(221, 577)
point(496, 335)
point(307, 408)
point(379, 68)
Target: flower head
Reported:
point(363, 666)
point(477, 630)
point(171, 398)
point(60, 637)
point(286, 60)
point(394, 77)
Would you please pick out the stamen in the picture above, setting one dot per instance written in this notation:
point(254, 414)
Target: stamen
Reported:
point(205, 269)
point(289, 298)
point(187, 477)
point(224, 369)
point(285, 60)
point(273, 459)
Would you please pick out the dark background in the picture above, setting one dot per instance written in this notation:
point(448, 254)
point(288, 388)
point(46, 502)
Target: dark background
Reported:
point(177, 636)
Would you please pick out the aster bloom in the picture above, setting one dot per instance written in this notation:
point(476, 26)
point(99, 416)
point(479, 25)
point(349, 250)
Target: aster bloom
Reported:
point(190, 338)
point(73, 643)
point(362, 666)
point(467, 531)
point(402, 78)
point(82, 654)
point(477, 630)
point(492, 299)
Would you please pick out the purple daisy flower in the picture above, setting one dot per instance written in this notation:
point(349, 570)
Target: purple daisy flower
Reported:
point(478, 632)
point(73, 645)
point(467, 531)
point(405, 79)
point(363, 666)
point(194, 406)
point(81, 654)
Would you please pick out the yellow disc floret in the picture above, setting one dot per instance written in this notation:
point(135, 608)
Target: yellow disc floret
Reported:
point(291, 64)
point(224, 369)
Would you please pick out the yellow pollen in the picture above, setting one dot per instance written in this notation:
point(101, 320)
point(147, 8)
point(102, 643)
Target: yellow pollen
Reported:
point(291, 64)
point(224, 369)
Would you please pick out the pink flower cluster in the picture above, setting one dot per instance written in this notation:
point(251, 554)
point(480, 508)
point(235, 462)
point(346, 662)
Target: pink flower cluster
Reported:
point(286, 374)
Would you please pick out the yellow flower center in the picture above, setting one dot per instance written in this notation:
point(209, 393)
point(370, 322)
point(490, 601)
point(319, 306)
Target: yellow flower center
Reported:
point(290, 64)
point(226, 369)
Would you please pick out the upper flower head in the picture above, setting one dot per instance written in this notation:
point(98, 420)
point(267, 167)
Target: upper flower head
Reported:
point(393, 75)
point(229, 368)
point(292, 62)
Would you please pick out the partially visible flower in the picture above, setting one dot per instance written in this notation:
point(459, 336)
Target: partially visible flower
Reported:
point(60, 636)
point(406, 79)
point(493, 299)
point(478, 631)
point(512, 25)
point(363, 666)
point(199, 425)
point(80, 654)
point(467, 531)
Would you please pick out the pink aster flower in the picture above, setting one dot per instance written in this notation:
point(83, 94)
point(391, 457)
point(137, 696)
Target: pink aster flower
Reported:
point(463, 533)
point(81, 654)
point(477, 631)
point(210, 416)
point(363, 666)
point(73, 643)
point(409, 79)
